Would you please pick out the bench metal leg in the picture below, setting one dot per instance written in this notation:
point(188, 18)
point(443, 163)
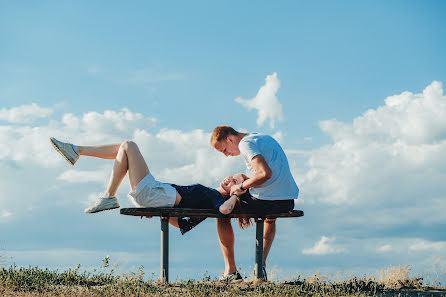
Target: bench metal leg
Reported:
point(164, 273)
point(258, 268)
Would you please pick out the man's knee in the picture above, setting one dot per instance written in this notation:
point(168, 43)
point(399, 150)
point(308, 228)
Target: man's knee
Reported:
point(270, 222)
point(225, 232)
point(223, 221)
point(270, 229)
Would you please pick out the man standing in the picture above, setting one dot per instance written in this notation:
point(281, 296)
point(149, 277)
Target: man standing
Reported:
point(271, 186)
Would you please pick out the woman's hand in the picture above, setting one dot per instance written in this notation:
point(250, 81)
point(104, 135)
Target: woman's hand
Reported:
point(225, 184)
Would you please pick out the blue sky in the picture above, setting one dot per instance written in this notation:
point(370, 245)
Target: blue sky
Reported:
point(370, 169)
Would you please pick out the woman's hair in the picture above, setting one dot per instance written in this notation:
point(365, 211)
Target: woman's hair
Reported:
point(220, 133)
point(245, 222)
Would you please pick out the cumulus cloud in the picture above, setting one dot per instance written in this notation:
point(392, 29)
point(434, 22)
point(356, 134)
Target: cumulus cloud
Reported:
point(182, 157)
point(24, 113)
point(389, 157)
point(5, 214)
point(83, 176)
point(385, 248)
point(279, 135)
point(426, 245)
point(186, 157)
point(382, 175)
point(30, 143)
point(266, 102)
point(324, 246)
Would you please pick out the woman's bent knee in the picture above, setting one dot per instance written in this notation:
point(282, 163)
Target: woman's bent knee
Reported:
point(128, 144)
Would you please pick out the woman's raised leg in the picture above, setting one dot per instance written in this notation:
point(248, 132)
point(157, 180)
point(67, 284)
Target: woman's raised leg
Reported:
point(128, 159)
point(72, 152)
point(106, 151)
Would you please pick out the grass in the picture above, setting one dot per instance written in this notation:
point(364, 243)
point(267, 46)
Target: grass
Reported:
point(33, 281)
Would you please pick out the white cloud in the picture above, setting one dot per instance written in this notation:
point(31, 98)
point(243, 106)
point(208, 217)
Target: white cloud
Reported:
point(297, 152)
point(24, 113)
point(278, 135)
point(425, 245)
point(370, 180)
point(182, 157)
point(386, 158)
point(111, 124)
point(324, 246)
point(84, 176)
point(185, 157)
point(385, 248)
point(26, 143)
point(5, 214)
point(266, 102)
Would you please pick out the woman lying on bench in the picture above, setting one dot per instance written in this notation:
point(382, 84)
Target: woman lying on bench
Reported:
point(146, 190)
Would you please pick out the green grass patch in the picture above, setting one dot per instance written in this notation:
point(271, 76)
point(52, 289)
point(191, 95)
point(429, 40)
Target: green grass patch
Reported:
point(34, 281)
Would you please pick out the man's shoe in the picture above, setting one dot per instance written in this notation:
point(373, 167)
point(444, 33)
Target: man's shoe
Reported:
point(67, 150)
point(232, 278)
point(103, 203)
point(265, 277)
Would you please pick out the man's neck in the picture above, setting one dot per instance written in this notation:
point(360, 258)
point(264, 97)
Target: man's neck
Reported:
point(240, 137)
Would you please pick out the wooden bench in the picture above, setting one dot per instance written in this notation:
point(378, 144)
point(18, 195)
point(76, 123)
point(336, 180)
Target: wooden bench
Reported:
point(166, 213)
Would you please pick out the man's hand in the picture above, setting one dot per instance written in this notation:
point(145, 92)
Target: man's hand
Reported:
point(235, 189)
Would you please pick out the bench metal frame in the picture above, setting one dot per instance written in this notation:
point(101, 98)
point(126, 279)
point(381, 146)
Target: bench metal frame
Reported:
point(166, 213)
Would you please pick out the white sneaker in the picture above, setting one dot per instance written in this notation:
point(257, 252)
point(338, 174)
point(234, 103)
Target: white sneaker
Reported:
point(103, 203)
point(67, 150)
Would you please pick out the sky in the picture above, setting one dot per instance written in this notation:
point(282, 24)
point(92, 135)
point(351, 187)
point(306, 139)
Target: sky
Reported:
point(352, 90)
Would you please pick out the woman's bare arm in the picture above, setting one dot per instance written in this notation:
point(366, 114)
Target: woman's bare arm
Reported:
point(228, 206)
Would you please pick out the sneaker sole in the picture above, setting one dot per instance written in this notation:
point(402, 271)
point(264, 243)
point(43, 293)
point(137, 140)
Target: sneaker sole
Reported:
point(225, 280)
point(95, 211)
point(231, 282)
point(59, 151)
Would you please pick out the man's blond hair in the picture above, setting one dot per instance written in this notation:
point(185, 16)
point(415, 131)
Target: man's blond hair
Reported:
point(220, 133)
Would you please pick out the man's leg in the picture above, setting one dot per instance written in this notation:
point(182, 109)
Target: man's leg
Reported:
point(226, 237)
point(269, 232)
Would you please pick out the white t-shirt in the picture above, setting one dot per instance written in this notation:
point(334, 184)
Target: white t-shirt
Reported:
point(281, 185)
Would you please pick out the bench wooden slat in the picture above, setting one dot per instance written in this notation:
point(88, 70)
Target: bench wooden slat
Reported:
point(202, 213)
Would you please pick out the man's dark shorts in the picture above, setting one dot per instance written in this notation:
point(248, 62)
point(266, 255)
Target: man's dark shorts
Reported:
point(249, 203)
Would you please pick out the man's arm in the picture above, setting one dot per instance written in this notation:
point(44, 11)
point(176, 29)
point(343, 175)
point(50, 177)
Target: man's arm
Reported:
point(262, 173)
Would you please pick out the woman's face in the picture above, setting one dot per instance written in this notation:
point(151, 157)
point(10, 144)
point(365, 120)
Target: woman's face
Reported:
point(235, 180)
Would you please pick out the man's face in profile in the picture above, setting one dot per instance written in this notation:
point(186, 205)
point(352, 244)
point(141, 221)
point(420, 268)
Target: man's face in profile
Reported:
point(228, 146)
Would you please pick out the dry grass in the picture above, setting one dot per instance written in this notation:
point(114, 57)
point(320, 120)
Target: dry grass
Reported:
point(33, 281)
point(398, 277)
